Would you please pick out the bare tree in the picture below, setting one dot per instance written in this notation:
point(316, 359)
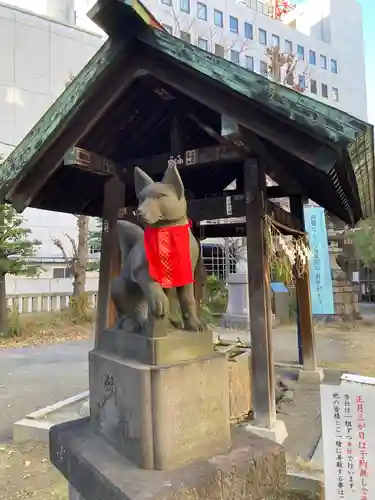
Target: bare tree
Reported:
point(217, 37)
point(78, 260)
point(237, 248)
point(176, 22)
point(282, 68)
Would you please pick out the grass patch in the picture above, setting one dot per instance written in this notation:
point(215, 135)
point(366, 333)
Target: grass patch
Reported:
point(46, 328)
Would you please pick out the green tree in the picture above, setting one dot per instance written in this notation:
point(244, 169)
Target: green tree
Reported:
point(16, 251)
point(363, 238)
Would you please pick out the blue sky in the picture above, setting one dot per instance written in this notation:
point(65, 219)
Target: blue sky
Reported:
point(369, 36)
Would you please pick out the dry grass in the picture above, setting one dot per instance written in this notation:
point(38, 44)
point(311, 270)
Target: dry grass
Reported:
point(47, 328)
point(357, 341)
point(26, 472)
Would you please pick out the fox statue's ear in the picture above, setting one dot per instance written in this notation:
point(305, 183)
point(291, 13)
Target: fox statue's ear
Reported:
point(172, 177)
point(141, 180)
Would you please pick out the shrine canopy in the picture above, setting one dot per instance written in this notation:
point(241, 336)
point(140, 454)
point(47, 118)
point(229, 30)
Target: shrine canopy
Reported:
point(146, 95)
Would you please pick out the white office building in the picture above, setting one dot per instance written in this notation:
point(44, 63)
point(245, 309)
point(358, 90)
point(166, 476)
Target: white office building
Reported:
point(325, 36)
point(43, 47)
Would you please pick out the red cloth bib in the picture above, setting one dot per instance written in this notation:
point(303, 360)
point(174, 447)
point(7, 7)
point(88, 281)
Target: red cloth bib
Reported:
point(168, 255)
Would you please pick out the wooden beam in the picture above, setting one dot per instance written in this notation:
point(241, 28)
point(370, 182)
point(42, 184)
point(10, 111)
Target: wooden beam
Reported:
point(249, 144)
point(305, 325)
point(110, 258)
point(273, 167)
point(190, 158)
point(224, 207)
point(176, 135)
point(228, 153)
point(263, 380)
point(282, 132)
point(277, 192)
point(89, 162)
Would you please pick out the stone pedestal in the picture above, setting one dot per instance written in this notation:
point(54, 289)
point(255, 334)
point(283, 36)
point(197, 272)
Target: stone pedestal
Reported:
point(253, 468)
point(161, 417)
point(237, 313)
point(159, 425)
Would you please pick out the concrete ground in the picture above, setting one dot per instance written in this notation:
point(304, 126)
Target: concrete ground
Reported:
point(34, 377)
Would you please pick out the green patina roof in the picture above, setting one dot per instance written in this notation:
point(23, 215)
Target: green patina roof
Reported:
point(349, 136)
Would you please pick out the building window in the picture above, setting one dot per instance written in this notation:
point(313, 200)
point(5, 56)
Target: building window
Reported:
point(185, 36)
point(324, 90)
point(301, 81)
point(335, 93)
point(233, 24)
point(262, 36)
point(263, 70)
point(249, 31)
point(185, 6)
point(334, 66)
point(219, 50)
point(249, 62)
point(202, 43)
point(202, 11)
point(300, 52)
point(218, 18)
point(288, 47)
point(275, 41)
point(323, 61)
point(313, 87)
point(235, 56)
point(168, 28)
point(167, 2)
point(312, 57)
point(61, 273)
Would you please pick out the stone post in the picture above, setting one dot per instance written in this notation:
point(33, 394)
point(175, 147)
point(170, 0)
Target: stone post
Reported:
point(345, 298)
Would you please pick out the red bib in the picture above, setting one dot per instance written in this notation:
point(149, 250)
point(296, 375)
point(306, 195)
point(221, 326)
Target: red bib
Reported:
point(168, 255)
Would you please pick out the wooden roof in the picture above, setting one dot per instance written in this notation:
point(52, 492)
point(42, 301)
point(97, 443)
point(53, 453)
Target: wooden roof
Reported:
point(124, 102)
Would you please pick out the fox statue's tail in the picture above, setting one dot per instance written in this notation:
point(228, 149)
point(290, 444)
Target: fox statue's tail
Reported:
point(128, 235)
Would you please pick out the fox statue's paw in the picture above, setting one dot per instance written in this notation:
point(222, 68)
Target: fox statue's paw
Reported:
point(158, 303)
point(193, 324)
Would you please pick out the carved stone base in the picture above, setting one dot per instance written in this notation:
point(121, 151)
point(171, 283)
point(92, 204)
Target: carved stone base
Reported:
point(174, 347)
point(253, 468)
point(161, 417)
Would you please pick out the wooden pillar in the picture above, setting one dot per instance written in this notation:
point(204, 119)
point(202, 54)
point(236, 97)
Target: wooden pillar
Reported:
point(176, 135)
point(110, 257)
point(306, 337)
point(263, 379)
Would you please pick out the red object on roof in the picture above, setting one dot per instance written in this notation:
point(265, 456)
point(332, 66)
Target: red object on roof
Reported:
point(282, 7)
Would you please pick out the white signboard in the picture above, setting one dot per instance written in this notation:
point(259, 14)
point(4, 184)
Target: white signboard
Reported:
point(348, 424)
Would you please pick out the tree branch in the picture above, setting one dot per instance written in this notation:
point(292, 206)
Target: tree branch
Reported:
point(60, 246)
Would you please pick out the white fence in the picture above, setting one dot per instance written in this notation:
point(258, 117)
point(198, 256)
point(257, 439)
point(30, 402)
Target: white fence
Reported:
point(45, 294)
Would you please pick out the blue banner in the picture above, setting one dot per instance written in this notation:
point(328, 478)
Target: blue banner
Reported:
point(319, 263)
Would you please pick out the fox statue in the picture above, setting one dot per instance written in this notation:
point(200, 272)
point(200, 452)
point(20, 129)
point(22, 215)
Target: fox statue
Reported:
point(136, 295)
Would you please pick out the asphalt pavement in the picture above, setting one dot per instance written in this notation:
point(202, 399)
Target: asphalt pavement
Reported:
point(34, 377)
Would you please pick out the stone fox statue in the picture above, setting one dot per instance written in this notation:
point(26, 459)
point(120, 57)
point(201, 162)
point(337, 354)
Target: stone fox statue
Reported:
point(136, 294)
